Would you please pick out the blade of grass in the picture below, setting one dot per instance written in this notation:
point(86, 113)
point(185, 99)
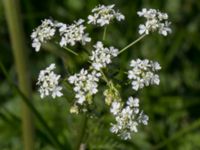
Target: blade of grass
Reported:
point(14, 21)
point(49, 131)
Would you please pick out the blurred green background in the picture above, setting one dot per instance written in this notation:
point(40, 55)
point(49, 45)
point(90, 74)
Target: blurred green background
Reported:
point(173, 106)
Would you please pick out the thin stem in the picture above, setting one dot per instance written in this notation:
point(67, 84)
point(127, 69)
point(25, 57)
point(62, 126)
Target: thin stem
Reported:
point(71, 51)
point(104, 77)
point(104, 33)
point(81, 132)
point(131, 44)
point(109, 83)
point(19, 48)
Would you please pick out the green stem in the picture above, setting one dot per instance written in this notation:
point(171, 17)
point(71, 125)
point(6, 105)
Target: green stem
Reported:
point(13, 17)
point(105, 78)
point(109, 83)
point(131, 44)
point(70, 50)
point(67, 60)
point(104, 33)
point(81, 132)
point(179, 134)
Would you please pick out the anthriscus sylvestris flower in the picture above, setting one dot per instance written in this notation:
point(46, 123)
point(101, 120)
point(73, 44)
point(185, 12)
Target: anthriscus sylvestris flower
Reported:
point(102, 56)
point(142, 73)
point(85, 83)
point(103, 15)
point(48, 83)
point(43, 33)
point(127, 118)
point(85, 86)
point(70, 34)
point(155, 21)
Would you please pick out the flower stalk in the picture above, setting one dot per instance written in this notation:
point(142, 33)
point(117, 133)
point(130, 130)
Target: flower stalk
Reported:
point(81, 132)
point(70, 50)
point(104, 33)
point(131, 44)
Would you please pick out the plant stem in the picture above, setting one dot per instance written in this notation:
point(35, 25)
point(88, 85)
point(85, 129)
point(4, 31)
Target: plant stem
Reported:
point(104, 33)
point(81, 132)
point(131, 44)
point(12, 12)
point(109, 83)
point(70, 50)
point(105, 78)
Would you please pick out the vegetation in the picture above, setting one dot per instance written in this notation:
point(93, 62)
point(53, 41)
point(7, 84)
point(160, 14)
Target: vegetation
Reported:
point(172, 107)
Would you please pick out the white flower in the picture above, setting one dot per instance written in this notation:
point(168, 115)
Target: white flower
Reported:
point(102, 15)
point(137, 84)
point(43, 33)
point(85, 39)
point(133, 126)
point(72, 79)
point(127, 118)
point(142, 13)
point(155, 79)
point(125, 135)
point(56, 92)
point(142, 73)
point(70, 34)
point(113, 51)
point(102, 56)
point(80, 97)
point(155, 66)
point(36, 44)
point(143, 29)
point(119, 16)
point(155, 21)
point(131, 74)
point(143, 118)
point(85, 85)
point(164, 28)
point(114, 128)
point(115, 108)
point(133, 102)
point(48, 82)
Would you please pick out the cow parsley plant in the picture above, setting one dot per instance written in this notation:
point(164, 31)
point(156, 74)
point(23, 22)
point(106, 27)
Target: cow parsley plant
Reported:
point(127, 116)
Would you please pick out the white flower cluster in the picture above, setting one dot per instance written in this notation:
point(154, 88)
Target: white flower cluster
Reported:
point(70, 34)
point(85, 85)
point(143, 73)
point(48, 82)
point(155, 21)
point(127, 115)
point(127, 118)
point(42, 33)
point(86, 81)
point(102, 15)
point(101, 56)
